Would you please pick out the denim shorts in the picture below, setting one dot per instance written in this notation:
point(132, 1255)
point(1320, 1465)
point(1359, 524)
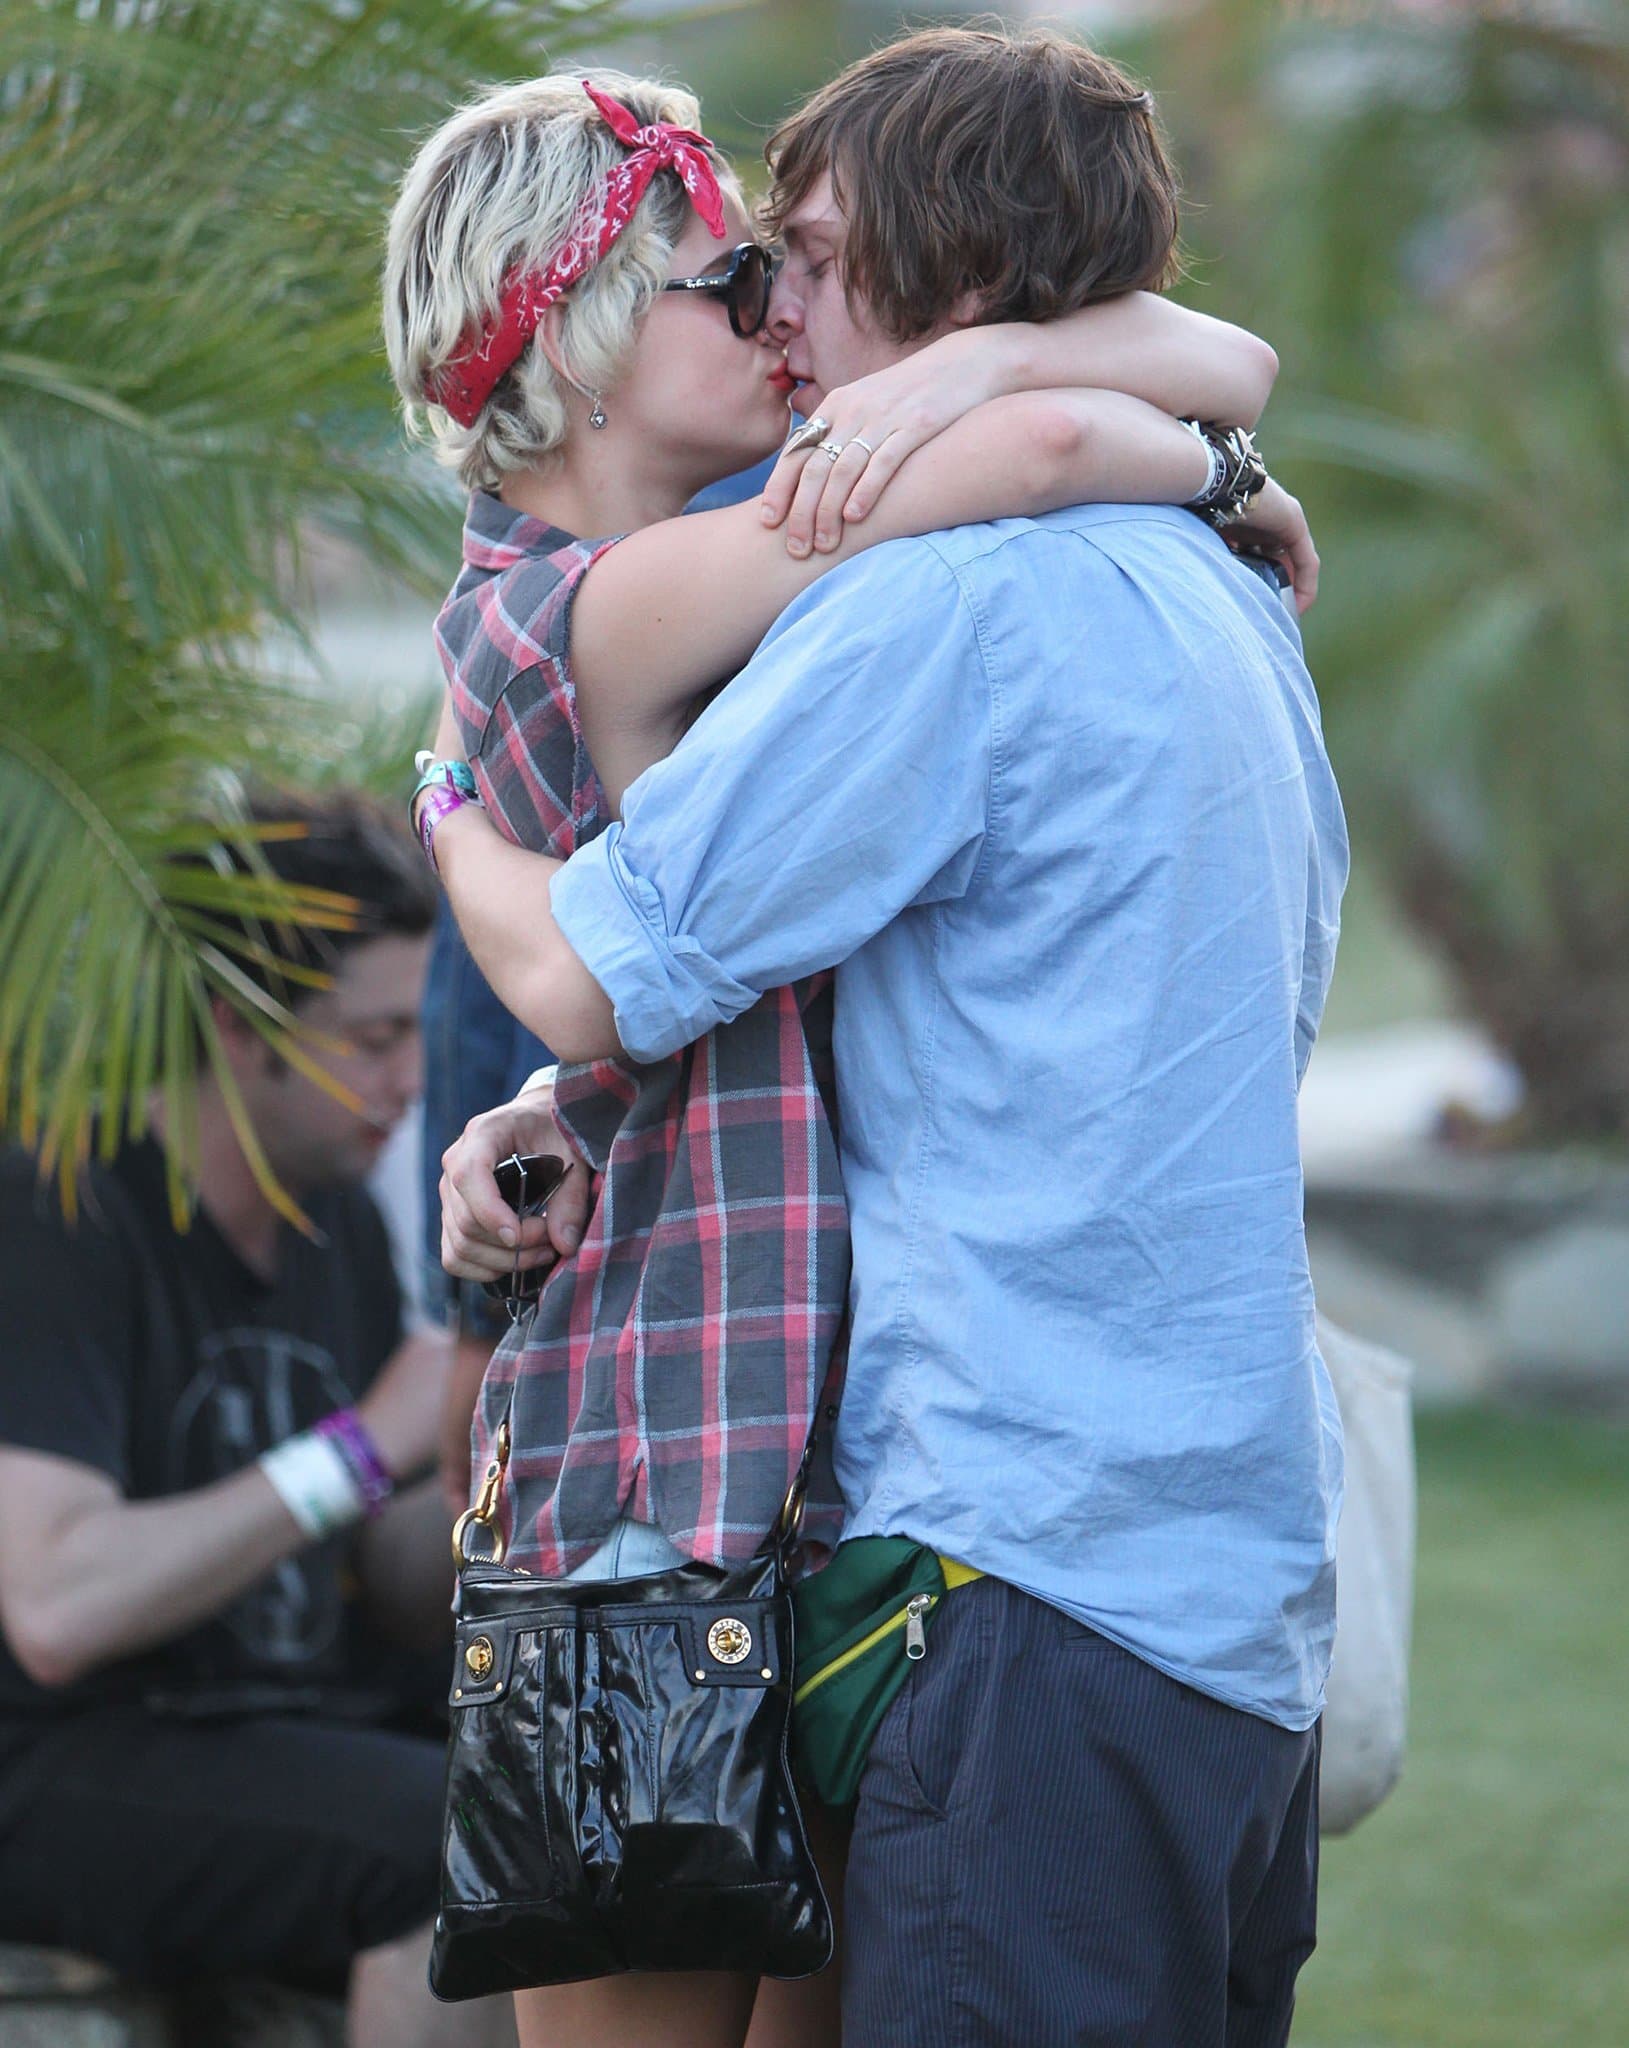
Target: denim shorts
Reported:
point(632, 1549)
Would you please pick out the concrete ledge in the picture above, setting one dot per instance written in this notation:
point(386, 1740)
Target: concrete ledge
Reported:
point(1499, 1275)
point(50, 1998)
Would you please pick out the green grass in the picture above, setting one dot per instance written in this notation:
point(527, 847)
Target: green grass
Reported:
point(1486, 1905)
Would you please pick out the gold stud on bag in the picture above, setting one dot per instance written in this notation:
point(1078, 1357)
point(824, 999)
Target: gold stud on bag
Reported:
point(730, 1641)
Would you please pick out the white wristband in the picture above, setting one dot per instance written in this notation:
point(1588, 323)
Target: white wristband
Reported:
point(540, 1077)
point(314, 1483)
point(1202, 497)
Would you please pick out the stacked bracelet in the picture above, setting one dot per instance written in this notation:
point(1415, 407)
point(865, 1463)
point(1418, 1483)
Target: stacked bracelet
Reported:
point(445, 787)
point(1213, 476)
point(345, 1430)
point(444, 774)
point(437, 804)
point(331, 1476)
point(1237, 474)
point(313, 1480)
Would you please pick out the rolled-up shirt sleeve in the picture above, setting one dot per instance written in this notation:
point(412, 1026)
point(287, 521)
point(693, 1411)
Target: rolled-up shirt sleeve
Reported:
point(843, 777)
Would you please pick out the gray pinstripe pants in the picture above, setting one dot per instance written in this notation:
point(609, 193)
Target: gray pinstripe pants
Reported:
point(1057, 1846)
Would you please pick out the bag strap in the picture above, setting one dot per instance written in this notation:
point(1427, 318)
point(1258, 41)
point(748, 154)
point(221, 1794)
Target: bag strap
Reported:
point(484, 1513)
point(520, 1306)
point(783, 1538)
point(780, 1542)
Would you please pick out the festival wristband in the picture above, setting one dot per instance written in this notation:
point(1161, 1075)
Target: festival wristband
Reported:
point(1206, 493)
point(350, 1436)
point(444, 786)
point(438, 803)
point(313, 1481)
point(434, 774)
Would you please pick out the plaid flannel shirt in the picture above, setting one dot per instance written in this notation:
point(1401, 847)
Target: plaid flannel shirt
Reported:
point(675, 1367)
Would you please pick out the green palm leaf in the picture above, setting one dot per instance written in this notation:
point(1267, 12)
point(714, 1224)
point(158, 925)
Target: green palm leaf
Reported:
point(192, 200)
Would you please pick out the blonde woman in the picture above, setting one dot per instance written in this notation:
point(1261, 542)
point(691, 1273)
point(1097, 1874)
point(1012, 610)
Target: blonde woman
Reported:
point(578, 313)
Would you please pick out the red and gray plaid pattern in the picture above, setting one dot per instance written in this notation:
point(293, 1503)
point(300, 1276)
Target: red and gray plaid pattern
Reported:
point(674, 1367)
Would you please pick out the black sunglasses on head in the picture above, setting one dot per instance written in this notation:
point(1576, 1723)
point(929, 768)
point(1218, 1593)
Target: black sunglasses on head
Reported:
point(743, 285)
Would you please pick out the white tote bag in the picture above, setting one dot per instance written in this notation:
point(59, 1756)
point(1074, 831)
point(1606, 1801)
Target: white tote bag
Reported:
point(1366, 1715)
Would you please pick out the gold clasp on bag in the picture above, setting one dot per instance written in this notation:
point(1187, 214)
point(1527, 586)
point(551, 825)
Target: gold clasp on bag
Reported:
point(484, 1514)
point(730, 1640)
point(789, 1522)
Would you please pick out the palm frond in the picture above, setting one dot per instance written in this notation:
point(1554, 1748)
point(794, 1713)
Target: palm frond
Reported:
point(105, 994)
point(192, 199)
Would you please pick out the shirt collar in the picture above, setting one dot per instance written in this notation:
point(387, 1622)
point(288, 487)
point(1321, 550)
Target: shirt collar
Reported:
point(496, 536)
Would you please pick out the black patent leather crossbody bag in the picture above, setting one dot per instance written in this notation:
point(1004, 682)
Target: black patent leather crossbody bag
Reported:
point(618, 1791)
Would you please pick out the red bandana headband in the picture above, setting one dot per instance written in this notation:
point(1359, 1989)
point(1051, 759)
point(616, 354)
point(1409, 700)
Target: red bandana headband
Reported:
point(463, 387)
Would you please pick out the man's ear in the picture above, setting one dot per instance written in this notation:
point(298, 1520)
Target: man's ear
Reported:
point(246, 1049)
point(235, 1030)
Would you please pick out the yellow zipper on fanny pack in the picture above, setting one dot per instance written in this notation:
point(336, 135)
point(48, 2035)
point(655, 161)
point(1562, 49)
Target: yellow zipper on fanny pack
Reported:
point(912, 1611)
point(908, 1618)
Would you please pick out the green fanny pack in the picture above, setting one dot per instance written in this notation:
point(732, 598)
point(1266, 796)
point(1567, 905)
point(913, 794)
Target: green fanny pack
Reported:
point(860, 1625)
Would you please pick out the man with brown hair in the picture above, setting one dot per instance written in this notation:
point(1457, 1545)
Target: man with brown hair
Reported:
point(1015, 177)
point(1052, 793)
point(219, 1579)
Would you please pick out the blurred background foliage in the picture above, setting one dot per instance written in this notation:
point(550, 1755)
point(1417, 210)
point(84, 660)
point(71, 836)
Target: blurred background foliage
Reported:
point(1424, 207)
point(1427, 212)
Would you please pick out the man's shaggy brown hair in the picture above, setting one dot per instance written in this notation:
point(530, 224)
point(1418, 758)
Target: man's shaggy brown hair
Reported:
point(1013, 165)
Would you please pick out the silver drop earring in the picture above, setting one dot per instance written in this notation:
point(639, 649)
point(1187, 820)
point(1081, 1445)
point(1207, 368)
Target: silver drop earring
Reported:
point(596, 419)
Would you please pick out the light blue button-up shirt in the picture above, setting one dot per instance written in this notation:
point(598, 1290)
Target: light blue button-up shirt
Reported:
point(1053, 796)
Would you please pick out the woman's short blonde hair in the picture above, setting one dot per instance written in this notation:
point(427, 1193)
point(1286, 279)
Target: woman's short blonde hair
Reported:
point(500, 186)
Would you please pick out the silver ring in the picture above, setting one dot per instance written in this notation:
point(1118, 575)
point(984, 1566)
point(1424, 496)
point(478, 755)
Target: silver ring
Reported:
point(859, 441)
point(830, 449)
point(809, 435)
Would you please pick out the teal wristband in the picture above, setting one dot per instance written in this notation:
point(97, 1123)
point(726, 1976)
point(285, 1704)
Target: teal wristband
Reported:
point(457, 776)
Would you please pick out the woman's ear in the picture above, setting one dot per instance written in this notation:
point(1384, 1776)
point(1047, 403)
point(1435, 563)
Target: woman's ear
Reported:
point(548, 340)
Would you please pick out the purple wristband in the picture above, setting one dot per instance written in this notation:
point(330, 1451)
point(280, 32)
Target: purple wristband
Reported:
point(345, 1430)
point(439, 802)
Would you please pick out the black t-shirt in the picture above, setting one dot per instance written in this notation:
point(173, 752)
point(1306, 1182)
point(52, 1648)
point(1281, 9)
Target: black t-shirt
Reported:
point(160, 1358)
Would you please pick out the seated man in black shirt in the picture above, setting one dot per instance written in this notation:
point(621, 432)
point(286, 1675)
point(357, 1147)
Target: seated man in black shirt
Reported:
point(210, 1557)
